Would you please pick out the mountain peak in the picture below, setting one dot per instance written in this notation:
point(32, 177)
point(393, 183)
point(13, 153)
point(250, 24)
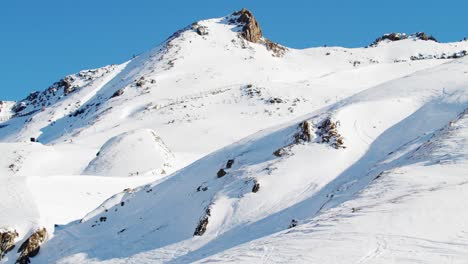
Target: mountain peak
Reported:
point(251, 30)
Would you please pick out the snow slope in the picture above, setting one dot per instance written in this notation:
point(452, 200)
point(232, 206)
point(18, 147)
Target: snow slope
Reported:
point(275, 158)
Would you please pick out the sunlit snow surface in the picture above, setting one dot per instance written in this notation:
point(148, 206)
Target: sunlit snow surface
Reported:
point(396, 194)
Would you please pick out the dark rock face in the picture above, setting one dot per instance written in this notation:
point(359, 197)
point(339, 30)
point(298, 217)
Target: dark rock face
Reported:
point(229, 164)
point(7, 242)
point(19, 107)
point(305, 133)
point(256, 187)
point(203, 223)
point(401, 36)
point(30, 248)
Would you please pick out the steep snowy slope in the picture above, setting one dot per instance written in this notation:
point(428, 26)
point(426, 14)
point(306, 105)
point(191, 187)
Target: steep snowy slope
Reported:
point(279, 178)
point(260, 137)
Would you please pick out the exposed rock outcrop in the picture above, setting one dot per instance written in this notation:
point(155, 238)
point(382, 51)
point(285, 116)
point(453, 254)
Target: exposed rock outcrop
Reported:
point(201, 30)
point(252, 32)
point(401, 36)
point(203, 223)
point(7, 241)
point(30, 248)
point(305, 133)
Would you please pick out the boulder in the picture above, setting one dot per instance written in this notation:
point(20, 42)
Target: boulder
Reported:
point(118, 93)
point(221, 173)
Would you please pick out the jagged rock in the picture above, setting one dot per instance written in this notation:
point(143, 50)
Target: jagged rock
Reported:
point(7, 241)
point(66, 83)
point(203, 223)
point(276, 48)
point(229, 164)
point(30, 248)
point(221, 173)
point(304, 134)
point(256, 187)
point(251, 30)
point(118, 93)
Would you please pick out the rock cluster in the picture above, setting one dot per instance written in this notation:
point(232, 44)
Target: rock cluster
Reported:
point(201, 30)
point(328, 133)
point(401, 36)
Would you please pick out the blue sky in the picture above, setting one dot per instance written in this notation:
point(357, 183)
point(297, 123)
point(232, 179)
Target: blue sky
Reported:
point(42, 41)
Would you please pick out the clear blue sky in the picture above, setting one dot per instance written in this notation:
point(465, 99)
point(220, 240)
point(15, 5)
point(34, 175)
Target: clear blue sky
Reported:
point(42, 41)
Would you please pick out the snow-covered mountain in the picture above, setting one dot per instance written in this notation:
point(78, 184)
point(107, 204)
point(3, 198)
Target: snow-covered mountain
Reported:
point(220, 145)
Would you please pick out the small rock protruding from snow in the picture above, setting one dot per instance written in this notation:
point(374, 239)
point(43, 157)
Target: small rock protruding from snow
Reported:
point(221, 173)
point(229, 164)
point(30, 248)
point(256, 187)
point(293, 224)
point(118, 93)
